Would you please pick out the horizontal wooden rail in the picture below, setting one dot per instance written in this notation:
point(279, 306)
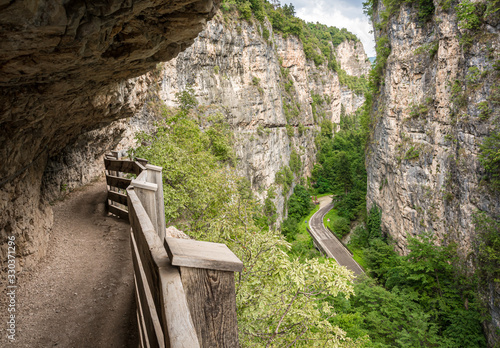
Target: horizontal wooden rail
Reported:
point(122, 213)
point(166, 290)
point(115, 168)
point(124, 166)
point(118, 197)
point(118, 182)
point(173, 310)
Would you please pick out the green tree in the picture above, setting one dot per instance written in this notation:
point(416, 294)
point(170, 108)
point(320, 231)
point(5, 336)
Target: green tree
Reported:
point(280, 301)
point(490, 158)
point(373, 223)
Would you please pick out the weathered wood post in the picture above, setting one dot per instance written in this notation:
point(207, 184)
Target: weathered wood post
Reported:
point(155, 177)
point(146, 192)
point(112, 155)
point(207, 274)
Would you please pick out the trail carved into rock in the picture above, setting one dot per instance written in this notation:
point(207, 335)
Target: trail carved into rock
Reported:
point(82, 293)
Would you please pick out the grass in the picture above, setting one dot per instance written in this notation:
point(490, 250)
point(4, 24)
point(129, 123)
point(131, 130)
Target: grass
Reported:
point(303, 224)
point(303, 246)
point(358, 256)
point(332, 215)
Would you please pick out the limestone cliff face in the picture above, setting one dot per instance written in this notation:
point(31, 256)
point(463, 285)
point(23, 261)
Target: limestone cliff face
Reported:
point(352, 58)
point(72, 90)
point(422, 163)
point(66, 69)
point(237, 72)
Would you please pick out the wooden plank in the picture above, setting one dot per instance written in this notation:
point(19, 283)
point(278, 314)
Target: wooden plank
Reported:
point(163, 279)
point(145, 239)
point(148, 200)
point(142, 161)
point(139, 167)
point(152, 326)
point(124, 166)
point(142, 177)
point(141, 324)
point(117, 182)
point(179, 321)
point(155, 176)
point(117, 197)
point(193, 253)
point(212, 303)
point(142, 344)
point(122, 213)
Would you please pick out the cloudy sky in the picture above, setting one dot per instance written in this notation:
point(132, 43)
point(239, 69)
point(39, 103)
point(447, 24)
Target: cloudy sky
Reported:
point(339, 13)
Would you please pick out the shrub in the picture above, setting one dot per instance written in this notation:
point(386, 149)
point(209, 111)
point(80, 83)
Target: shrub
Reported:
point(490, 158)
point(340, 227)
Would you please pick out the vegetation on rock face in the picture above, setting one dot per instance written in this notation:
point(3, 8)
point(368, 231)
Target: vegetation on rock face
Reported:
point(318, 40)
point(490, 158)
point(280, 301)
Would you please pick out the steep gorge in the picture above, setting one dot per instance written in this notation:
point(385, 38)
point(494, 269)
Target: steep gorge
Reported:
point(436, 105)
point(56, 125)
point(68, 68)
point(266, 89)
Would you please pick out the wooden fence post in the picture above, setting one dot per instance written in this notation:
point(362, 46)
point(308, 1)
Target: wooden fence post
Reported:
point(154, 176)
point(207, 274)
point(147, 194)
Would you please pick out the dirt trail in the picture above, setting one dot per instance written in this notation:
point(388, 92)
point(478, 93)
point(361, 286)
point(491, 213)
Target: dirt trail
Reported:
point(82, 293)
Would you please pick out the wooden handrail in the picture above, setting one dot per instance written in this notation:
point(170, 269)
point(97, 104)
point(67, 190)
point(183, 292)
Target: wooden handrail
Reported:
point(173, 310)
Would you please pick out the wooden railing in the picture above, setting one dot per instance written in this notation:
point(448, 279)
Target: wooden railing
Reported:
point(184, 289)
point(116, 170)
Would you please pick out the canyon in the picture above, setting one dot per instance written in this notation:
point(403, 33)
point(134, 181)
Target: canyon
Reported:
point(423, 162)
point(70, 116)
point(78, 81)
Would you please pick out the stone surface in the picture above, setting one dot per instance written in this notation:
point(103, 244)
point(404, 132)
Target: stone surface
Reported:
point(224, 64)
point(423, 167)
point(68, 68)
point(352, 58)
point(85, 96)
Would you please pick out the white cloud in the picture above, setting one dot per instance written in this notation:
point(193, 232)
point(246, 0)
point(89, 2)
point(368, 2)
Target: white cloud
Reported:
point(341, 15)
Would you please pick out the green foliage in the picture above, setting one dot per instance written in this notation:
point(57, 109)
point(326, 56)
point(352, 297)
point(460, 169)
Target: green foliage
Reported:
point(457, 96)
point(187, 100)
point(245, 10)
point(279, 300)
point(284, 177)
point(265, 33)
point(295, 162)
point(340, 168)
point(290, 132)
point(473, 75)
point(484, 110)
point(373, 224)
point(467, 15)
point(422, 300)
point(425, 10)
point(269, 208)
point(418, 110)
point(219, 139)
point(216, 69)
point(487, 248)
point(359, 85)
point(412, 153)
point(490, 158)
point(301, 129)
point(340, 226)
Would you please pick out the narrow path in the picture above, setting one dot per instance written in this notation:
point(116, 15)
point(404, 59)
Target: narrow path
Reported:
point(327, 242)
point(82, 293)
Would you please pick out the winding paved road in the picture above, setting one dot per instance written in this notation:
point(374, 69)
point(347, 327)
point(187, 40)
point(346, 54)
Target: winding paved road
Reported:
point(327, 242)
